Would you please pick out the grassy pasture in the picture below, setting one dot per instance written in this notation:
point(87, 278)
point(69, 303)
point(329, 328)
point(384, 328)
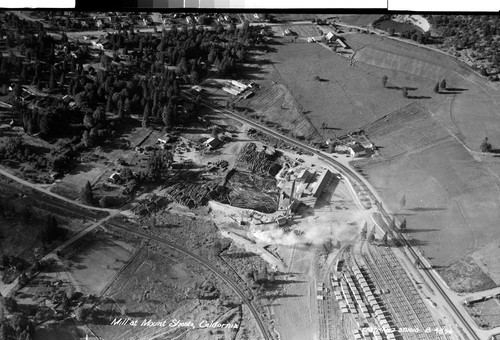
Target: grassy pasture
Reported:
point(397, 26)
point(344, 97)
point(451, 199)
point(275, 103)
point(397, 136)
point(302, 31)
point(487, 259)
point(469, 106)
point(383, 59)
point(358, 19)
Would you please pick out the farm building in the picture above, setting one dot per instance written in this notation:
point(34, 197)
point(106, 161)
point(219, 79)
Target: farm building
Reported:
point(363, 141)
point(231, 90)
point(238, 84)
point(472, 300)
point(356, 150)
point(322, 183)
point(212, 142)
point(330, 37)
point(342, 43)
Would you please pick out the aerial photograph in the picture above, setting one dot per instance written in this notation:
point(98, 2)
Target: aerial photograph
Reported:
point(249, 176)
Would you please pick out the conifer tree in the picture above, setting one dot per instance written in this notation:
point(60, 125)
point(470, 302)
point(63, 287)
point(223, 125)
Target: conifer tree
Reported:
point(87, 195)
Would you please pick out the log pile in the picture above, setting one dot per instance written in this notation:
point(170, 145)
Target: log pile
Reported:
point(193, 195)
point(257, 162)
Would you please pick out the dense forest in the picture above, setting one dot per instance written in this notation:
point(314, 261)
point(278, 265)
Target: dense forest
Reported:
point(85, 92)
point(478, 32)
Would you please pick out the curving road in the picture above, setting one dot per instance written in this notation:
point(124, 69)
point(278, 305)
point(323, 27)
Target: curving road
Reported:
point(354, 177)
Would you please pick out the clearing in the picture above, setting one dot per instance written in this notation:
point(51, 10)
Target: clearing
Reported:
point(449, 195)
point(94, 262)
point(344, 97)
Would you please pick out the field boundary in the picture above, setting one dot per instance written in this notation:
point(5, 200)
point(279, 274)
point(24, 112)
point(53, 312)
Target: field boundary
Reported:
point(118, 273)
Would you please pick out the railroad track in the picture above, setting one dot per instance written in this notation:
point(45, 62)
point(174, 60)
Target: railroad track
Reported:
point(45, 201)
point(204, 263)
point(352, 176)
point(60, 206)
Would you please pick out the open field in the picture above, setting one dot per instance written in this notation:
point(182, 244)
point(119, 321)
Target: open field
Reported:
point(404, 130)
point(487, 259)
point(273, 104)
point(58, 331)
point(397, 26)
point(175, 278)
point(466, 276)
point(302, 31)
point(486, 313)
point(450, 197)
point(157, 287)
point(358, 19)
point(469, 105)
point(344, 98)
point(94, 264)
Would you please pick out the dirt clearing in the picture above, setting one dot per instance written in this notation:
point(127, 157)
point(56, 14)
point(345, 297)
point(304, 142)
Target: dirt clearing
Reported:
point(94, 263)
